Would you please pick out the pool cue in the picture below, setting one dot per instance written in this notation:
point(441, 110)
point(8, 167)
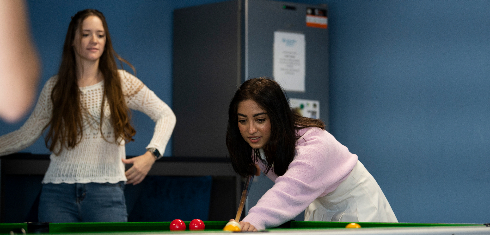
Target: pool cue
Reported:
point(244, 196)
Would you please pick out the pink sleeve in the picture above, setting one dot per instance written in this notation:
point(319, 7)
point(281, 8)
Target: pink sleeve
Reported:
point(320, 165)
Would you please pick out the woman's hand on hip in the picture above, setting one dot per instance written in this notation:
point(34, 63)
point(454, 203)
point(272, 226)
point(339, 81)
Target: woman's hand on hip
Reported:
point(141, 166)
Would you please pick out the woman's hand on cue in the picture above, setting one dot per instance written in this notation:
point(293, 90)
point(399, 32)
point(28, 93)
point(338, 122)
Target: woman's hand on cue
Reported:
point(246, 226)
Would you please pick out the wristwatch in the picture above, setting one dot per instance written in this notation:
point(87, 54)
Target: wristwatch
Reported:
point(155, 153)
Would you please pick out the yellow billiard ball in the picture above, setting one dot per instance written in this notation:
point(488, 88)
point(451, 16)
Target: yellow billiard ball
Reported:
point(353, 225)
point(232, 226)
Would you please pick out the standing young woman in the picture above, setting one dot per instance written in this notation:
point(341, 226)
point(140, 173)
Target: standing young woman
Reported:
point(311, 170)
point(85, 111)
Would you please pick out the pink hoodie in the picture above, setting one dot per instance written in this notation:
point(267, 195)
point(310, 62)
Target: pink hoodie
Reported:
point(321, 163)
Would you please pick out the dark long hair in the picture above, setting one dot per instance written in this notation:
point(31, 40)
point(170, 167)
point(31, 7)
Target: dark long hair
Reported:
point(280, 149)
point(65, 126)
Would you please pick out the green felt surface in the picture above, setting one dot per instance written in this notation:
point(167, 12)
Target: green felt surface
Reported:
point(210, 226)
point(322, 224)
point(126, 227)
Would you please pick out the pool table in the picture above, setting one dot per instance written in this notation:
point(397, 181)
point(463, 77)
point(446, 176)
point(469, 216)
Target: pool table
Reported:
point(215, 227)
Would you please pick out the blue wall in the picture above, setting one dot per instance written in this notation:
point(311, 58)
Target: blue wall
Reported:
point(410, 96)
point(408, 90)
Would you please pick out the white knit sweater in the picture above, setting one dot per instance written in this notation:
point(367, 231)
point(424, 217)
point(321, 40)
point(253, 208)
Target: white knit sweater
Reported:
point(93, 159)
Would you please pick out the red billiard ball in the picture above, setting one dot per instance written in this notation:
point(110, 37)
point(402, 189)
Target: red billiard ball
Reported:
point(177, 225)
point(196, 224)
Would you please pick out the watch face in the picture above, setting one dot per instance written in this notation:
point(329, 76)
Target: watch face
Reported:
point(157, 153)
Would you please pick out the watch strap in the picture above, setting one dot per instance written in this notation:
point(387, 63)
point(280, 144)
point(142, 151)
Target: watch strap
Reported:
point(155, 153)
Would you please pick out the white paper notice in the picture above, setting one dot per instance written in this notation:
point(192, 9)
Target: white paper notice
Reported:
point(289, 60)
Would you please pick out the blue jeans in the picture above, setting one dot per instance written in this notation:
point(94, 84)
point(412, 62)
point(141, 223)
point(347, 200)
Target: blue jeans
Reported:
point(91, 202)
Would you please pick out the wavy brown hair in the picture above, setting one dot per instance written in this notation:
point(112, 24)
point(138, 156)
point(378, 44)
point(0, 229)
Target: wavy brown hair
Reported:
point(280, 149)
point(66, 127)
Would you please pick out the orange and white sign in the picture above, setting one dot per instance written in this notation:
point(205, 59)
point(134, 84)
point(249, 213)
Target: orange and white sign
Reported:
point(316, 18)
